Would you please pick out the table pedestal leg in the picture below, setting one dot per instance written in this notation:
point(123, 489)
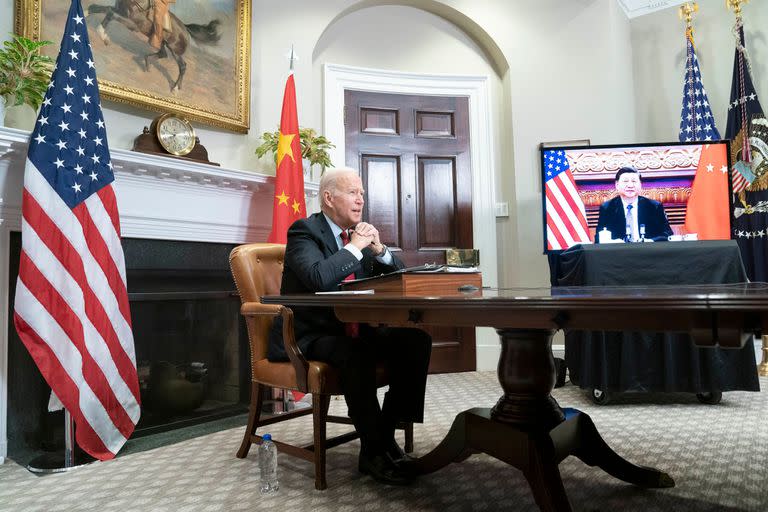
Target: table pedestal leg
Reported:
point(528, 430)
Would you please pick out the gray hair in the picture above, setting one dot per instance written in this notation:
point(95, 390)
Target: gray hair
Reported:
point(331, 177)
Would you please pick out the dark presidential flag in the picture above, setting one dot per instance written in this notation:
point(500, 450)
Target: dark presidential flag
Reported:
point(696, 120)
point(748, 131)
point(71, 304)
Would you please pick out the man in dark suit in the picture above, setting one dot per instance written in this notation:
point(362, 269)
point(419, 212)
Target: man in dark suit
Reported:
point(627, 214)
point(322, 251)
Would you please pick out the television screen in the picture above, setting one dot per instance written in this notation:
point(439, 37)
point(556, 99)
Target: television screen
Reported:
point(659, 192)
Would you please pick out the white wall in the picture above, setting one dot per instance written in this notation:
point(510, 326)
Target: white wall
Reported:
point(658, 43)
point(570, 78)
point(566, 73)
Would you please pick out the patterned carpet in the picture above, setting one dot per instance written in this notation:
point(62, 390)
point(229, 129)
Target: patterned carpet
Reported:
point(717, 455)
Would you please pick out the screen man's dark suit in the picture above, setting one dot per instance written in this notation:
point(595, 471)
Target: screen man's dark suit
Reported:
point(649, 212)
point(314, 262)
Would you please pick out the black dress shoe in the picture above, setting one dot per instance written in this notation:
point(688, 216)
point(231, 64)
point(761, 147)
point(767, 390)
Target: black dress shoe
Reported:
point(402, 460)
point(383, 470)
point(396, 454)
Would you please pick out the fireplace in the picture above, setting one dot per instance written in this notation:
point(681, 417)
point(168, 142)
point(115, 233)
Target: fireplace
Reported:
point(191, 346)
point(179, 219)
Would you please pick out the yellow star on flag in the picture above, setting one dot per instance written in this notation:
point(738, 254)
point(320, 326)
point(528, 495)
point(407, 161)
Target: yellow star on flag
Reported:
point(283, 199)
point(284, 147)
point(296, 206)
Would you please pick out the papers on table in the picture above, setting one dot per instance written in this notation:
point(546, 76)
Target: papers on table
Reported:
point(433, 268)
point(346, 292)
point(429, 268)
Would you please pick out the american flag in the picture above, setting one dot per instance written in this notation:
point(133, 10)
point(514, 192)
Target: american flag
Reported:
point(71, 305)
point(696, 120)
point(566, 220)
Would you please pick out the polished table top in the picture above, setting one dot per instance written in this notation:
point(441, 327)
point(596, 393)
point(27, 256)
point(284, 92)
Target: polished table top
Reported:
point(752, 296)
point(722, 314)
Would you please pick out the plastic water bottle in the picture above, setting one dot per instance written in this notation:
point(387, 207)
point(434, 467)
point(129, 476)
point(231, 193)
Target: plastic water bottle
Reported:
point(268, 465)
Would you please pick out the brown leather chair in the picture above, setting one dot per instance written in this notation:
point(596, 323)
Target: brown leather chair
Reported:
point(257, 269)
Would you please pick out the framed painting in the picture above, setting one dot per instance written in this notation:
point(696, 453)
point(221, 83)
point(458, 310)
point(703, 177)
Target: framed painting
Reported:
point(191, 57)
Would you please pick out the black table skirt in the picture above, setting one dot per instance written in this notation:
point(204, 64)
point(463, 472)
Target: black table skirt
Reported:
point(650, 361)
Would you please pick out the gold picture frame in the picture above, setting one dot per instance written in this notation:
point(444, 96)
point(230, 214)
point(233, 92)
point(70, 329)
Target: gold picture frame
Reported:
point(215, 86)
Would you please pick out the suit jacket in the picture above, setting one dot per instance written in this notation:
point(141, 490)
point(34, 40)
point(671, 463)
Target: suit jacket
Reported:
point(649, 212)
point(314, 263)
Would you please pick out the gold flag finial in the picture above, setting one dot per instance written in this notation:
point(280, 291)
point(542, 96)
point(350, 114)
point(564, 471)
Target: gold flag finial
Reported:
point(735, 5)
point(686, 12)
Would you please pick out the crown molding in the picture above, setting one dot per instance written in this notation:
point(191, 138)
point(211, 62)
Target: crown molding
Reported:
point(636, 8)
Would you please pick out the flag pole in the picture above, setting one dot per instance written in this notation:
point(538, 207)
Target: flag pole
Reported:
point(58, 462)
point(69, 440)
point(686, 11)
point(762, 370)
point(735, 5)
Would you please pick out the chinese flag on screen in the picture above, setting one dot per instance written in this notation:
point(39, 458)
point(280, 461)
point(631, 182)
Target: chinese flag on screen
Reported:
point(707, 213)
point(289, 178)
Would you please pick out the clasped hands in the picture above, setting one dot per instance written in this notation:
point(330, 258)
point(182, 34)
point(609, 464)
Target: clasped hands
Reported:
point(366, 234)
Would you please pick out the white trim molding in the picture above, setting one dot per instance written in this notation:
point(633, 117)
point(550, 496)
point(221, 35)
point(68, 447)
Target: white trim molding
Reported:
point(338, 78)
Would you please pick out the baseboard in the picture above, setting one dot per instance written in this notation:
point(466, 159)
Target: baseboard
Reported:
point(3, 451)
point(487, 358)
point(488, 349)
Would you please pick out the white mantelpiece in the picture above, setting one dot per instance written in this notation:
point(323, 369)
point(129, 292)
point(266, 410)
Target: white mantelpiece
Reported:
point(158, 197)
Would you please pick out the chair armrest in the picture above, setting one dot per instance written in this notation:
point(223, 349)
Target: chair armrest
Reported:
point(259, 309)
point(299, 362)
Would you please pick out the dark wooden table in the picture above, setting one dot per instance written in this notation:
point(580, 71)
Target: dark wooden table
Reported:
point(527, 428)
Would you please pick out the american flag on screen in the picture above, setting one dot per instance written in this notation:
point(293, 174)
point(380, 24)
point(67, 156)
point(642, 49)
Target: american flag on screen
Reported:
point(71, 306)
point(566, 220)
point(696, 120)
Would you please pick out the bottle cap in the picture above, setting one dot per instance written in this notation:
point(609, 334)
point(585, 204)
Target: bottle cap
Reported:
point(266, 437)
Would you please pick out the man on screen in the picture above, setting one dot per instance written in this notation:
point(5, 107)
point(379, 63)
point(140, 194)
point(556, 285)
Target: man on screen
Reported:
point(624, 215)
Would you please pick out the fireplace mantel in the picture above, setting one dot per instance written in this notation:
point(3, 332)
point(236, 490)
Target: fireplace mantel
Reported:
point(159, 198)
point(162, 197)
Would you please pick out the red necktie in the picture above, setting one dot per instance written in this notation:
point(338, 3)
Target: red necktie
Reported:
point(351, 329)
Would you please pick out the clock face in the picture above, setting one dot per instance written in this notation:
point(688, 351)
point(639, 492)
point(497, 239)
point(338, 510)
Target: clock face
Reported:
point(175, 134)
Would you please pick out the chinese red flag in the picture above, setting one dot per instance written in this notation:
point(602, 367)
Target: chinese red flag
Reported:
point(707, 213)
point(289, 178)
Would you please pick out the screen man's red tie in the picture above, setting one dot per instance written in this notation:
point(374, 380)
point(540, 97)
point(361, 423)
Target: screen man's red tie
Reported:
point(352, 329)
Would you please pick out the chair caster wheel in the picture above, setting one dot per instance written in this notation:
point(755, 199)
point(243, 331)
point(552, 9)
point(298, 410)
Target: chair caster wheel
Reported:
point(710, 397)
point(599, 397)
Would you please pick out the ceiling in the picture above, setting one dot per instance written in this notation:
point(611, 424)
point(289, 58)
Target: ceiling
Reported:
point(635, 8)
